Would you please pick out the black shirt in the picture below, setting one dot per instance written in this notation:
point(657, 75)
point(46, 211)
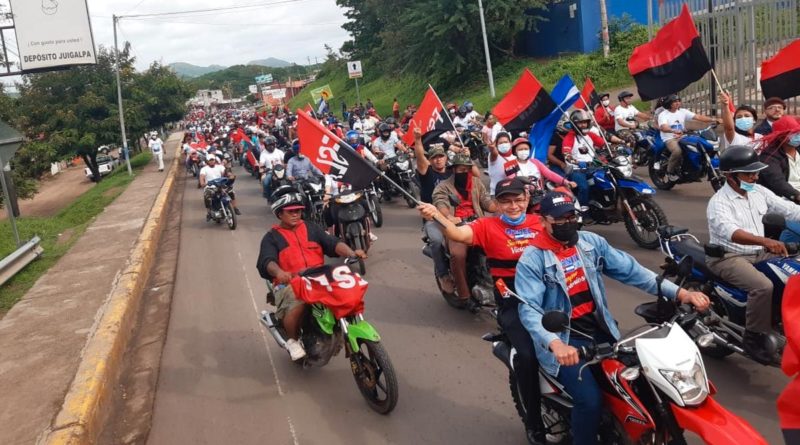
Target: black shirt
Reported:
point(428, 182)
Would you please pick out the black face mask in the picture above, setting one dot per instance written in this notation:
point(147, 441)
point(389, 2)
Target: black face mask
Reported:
point(460, 180)
point(385, 135)
point(566, 232)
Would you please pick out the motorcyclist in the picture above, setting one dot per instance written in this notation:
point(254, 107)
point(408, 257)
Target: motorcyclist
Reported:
point(503, 238)
point(625, 114)
point(579, 148)
point(300, 166)
point(734, 223)
point(270, 157)
point(502, 162)
point(387, 144)
point(473, 201)
point(210, 172)
point(354, 139)
point(560, 271)
point(289, 248)
point(534, 169)
point(672, 123)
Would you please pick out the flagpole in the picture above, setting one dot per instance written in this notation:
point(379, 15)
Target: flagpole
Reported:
point(591, 116)
point(579, 132)
point(448, 116)
point(716, 79)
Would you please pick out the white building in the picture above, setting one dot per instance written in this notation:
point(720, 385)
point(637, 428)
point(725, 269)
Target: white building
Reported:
point(207, 97)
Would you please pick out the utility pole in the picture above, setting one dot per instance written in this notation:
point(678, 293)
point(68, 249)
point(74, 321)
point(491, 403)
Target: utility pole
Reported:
point(119, 100)
point(604, 26)
point(486, 50)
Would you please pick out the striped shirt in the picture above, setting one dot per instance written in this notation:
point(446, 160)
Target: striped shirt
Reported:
point(728, 211)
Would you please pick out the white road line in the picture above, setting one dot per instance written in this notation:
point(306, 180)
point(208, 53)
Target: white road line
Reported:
point(266, 346)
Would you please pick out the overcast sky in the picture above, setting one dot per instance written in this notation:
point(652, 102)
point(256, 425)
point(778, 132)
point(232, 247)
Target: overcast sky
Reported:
point(292, 30)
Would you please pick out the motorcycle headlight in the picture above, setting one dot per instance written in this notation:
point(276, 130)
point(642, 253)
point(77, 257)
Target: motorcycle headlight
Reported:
point(627, 171)
point(691, 385)
point(402, 165)
point(348, 198)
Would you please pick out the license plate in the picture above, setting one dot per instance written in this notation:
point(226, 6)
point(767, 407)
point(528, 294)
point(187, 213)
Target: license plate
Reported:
point(657, 165)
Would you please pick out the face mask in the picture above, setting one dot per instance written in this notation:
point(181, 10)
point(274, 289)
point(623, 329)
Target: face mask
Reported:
point(504, 147)
point(747, 186)
point(606, 103)
point(794, 141)
point(522, 155)
point(513, 222)
point(460, 180)
point(384, 135)
point(744, 123)
point(566, 232)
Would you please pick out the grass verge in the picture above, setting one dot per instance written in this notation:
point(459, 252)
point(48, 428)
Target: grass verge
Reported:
point(60, 232)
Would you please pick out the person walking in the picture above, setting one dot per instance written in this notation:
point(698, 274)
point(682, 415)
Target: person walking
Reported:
point(156, 146)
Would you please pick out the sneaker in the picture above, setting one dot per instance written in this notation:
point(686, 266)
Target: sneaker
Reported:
point(295, 348)
point(447, 284)
point(237, 211)
point(672, 177)
point(373, 237)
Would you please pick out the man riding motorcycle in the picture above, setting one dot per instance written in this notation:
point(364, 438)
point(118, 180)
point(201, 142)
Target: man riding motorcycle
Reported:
point(300, 166)
point(474, 200)
point(561, 271)
point(289, 248)
point(269, 158)
point(734, 223)
point(503, 238)
point(387, 144)
point(672, 123)
point(213, 171)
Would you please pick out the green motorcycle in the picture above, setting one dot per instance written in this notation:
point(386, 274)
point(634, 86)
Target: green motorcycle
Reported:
point(334, 321)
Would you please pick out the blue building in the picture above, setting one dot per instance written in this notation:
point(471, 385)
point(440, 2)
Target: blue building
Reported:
point(573, 26)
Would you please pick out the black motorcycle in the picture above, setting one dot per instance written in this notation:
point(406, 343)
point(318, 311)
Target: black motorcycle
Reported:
point(374, 195)
point(478, 151)
point(401, 170)
point(221, 206)
point(313, 189)
point(277, 179)
point(353, 222)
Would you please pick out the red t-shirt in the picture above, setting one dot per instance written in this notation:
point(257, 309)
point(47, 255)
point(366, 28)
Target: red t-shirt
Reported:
point(502, 243)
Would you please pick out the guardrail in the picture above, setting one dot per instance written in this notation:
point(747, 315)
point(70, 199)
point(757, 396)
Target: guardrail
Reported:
point(10, 265)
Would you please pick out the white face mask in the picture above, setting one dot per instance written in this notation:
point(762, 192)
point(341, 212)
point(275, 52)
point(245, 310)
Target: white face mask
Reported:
point(606, 102)
point(504, 147)
point(522, 155)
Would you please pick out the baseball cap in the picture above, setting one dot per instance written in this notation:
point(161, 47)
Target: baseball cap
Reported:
point(436, 151)
point(514, 186)
point(774, 101)
point(556, 204)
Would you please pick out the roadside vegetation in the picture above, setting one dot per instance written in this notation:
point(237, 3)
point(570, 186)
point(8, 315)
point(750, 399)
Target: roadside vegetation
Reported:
point(60, 232)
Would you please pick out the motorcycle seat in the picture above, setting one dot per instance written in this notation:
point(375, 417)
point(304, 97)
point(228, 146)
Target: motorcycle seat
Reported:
point(690, 247)
point(670, 231)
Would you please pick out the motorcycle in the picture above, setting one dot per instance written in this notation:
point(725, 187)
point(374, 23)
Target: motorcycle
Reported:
point(402, 171)
point(654, 386)
point(478, 151)
point(193, 166)
point(727, 316)
point(374, 195)
point(328, 326)
point(313, 189)
point(615, 194)
point(352, 222)
point(700, 158)
point(278, 179)
point(221, 208)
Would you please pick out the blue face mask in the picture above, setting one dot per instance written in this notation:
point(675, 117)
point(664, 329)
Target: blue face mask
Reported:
point(745, 123)
point(512, 222)
point(747, 186)
point(794, 141)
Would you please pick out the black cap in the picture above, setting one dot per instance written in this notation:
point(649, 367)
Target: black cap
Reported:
point(514, 186)
point(556, 204)
point(774, 101)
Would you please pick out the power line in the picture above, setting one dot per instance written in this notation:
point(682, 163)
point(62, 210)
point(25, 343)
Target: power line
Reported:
point(206, 10)
point(260, 24)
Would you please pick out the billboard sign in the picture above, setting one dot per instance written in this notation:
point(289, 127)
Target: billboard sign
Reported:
point(264, 78)
point(323, 91)
point(53, 33)
point(253, 89)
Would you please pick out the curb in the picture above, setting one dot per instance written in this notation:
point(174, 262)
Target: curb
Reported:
point(85, 406)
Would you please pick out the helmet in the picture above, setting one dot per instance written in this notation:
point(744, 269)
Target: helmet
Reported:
point(269, 140)
point(352, 136)
point(292, 200)
point(602, 95)
point(248, 131)
point(461, 159)
point(519, 141)
point(391, 121)
point(579, 116)
point(468, 105)
point(623, 95)
point(384, 127)
point(670, 99)
point(462, 110)
point(740, 159)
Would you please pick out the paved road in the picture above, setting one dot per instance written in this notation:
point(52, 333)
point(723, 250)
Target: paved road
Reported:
point(223, 379)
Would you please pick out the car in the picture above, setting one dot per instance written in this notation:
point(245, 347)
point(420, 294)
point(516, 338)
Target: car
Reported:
point(105, 164)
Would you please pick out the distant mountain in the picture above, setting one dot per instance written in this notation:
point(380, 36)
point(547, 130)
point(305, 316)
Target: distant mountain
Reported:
point(184, 69)
point(270, 62)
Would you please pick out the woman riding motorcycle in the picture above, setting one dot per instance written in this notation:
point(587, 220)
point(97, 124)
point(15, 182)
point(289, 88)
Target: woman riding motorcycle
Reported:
point(503, 238)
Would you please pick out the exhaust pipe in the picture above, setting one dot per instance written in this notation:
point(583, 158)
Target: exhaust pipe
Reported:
point(268, 320)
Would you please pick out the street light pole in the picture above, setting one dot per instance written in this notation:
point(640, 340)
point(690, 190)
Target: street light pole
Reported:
point(486, 50)
point(119, 99)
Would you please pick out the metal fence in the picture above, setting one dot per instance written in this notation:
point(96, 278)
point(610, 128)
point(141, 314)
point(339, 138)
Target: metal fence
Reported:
point(737, 35)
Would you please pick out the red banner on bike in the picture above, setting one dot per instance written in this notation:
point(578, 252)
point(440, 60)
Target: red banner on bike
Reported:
point(337, 288)
point(331, 155)
point(431, 117)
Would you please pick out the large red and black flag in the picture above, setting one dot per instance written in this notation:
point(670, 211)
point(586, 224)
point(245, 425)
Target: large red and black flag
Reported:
point(523, 106)
point(780, 75)
point(671, 61)
point(331, 155)
point(589, 97)
point(431, 117)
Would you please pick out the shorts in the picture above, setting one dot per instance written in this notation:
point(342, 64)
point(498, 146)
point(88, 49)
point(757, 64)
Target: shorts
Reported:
point(285, 301)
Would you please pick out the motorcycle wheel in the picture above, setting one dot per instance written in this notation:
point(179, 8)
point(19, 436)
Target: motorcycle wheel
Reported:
point(650, 216)
point(374, 375)
point(231, 218)
point(359, 244)
point(377, 214)
point(515, 395)
point(641, 156)
point(659, 176)
point(413, 189)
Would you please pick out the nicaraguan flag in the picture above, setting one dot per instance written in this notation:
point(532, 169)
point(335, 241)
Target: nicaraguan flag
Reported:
point(564, 94)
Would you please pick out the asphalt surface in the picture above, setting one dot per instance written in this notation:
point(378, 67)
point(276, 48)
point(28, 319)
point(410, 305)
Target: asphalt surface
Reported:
point(224, 380)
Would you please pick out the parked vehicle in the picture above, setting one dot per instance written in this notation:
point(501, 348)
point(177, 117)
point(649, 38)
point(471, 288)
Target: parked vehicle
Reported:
point(105, 165)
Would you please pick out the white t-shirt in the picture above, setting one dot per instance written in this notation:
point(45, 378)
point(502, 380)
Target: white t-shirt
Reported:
point(269, 160)
point(212, 173)
point(386, 146)
point(187, 148)
point(501, 168)
point(623, 113)
point(676, 121)
point(156, 145)
point(794, 172)
point(739, 139)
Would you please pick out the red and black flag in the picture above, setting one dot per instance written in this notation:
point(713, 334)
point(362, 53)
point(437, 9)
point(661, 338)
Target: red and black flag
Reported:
point(331, 155)
point(671, 61)
point(780, 75)
point(589, 97)
point(431, 117)
point(523, 106)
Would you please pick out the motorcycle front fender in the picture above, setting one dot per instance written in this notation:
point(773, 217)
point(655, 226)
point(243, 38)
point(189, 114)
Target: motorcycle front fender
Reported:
point(715, 424)
point(361, 330)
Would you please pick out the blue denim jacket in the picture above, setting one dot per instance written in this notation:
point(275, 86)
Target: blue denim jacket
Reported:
point(540, 281)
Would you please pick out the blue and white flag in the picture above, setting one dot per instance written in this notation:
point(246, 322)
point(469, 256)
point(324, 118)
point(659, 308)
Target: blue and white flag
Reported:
point(564, 94)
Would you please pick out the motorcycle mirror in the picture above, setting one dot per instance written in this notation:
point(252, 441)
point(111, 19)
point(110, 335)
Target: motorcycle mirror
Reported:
point(555, 321)
point(685, 266)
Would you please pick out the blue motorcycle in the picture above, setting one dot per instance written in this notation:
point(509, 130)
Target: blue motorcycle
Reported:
point(727, 314)
point(700, 159)
point(616, 194)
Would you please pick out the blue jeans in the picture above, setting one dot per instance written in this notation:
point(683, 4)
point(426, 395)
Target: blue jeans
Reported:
point(580, 178)
point(265, 184)
point(587, 398)
point(789, 237)
point(433, 231)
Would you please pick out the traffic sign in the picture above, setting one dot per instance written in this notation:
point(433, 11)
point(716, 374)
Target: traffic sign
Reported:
point(354, 69)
